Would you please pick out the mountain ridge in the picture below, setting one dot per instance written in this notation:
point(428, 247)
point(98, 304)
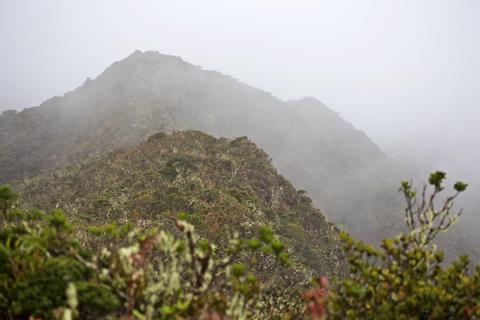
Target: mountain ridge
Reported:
point(346, 174)
point(223, 186)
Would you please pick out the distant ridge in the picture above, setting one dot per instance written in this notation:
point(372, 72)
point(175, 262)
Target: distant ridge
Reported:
point(345, 173)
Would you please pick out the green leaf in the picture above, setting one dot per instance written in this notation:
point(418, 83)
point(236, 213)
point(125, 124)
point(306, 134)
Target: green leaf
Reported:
point(253, 244)
point(266, 234)
point(460, 186)
point(238, 270)
point(436, 179)
point(277, 246)
point(203, 245)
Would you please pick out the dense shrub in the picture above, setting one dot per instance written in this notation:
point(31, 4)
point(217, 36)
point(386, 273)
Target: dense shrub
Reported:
point(152, 274)
point(406, 277)
point(149, 274)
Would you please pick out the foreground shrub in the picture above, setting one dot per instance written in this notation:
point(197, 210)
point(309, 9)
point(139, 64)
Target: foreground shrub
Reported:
point(405, 278)
point(151, 274)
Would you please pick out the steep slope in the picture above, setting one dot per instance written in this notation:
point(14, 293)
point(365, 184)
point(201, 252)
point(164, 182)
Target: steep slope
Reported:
point(224, 186)
point(343, 171)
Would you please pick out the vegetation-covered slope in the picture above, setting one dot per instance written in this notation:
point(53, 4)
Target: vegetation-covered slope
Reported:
point(223, 186)
point(344, 172)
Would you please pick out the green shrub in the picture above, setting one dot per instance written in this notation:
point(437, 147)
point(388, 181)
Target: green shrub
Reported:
point(149, 274)
point(96, 300)
point(405, 278)
point(38, 292)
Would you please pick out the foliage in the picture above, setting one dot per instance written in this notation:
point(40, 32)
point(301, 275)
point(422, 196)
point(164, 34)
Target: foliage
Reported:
point(151, 274)
point(148, 92)
point(7, 198)
point(316, 299)
point(405, 278)
point(223, 186)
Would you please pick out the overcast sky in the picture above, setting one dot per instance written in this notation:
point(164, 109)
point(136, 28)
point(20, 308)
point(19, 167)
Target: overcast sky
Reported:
point(396, 69)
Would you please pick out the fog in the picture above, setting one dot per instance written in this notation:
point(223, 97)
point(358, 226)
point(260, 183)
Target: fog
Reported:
point(405, 72)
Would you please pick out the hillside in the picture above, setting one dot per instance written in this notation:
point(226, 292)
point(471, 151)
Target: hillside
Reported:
point(224, 186)
point(344, 172)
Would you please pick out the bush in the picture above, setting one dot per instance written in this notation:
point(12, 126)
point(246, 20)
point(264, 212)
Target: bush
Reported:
point(405, 278)
point(96, 300)
point(152, 274)
point(40, 291)
point(149, 274)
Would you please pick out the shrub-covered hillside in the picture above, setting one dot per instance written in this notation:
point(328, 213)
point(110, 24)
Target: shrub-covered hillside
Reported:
point(46, 273)
point(223, 186)
point(345, 173)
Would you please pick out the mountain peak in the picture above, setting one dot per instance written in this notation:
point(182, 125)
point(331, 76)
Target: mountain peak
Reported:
point(150, 56)
point(149, 92)
point(145, 63)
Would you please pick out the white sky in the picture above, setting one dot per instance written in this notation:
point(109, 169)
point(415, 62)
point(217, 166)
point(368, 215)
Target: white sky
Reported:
point(398, 70)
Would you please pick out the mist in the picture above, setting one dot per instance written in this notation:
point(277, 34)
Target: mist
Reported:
point(407, 73)
point(409, 64)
